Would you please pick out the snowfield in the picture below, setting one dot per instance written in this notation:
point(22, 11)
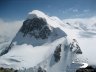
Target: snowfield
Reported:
point(50, 44)
point(86, 37)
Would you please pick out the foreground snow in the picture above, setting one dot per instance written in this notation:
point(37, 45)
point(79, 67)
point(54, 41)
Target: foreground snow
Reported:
point(29, 54)
point(26, 56)
point(87, 44)
point(41, 42)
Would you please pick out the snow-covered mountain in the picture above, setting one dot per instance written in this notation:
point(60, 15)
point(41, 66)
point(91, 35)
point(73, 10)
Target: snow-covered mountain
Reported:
point(84, 31)
point(86, 24)
point(41, 44)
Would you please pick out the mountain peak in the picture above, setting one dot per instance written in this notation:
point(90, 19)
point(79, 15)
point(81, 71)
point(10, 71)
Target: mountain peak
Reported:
point(36, 14)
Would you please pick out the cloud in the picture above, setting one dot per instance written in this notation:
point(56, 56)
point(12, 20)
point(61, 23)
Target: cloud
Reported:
point(75, 10)
point(71, 10)
point(88, 21)
point(9, 28)
point(86, 10)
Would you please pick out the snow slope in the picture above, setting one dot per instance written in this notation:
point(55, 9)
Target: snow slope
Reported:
point(40, 44)
point(86, 40)
point(85, 24)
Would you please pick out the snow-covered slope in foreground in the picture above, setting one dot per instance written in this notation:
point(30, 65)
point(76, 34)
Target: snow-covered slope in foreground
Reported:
point(86, 37)
point(40, 44)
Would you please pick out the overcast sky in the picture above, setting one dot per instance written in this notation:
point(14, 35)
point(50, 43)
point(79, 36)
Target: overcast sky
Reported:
point(18, 9)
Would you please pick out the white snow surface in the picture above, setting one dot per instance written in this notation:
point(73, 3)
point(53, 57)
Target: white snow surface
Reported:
point(27, 56)
point(86, 37)
point(54, 25)
point(36, 13)
point(52, 21)
point(86, 24)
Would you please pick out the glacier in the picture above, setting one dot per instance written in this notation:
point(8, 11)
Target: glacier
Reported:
point(41, 44)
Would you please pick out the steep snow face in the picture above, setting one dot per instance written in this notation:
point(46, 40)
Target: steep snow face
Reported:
point(55, 56)
point(27, 56)
point(40, 44)
point(52, 21)
point(36, 14)
point(37, 29)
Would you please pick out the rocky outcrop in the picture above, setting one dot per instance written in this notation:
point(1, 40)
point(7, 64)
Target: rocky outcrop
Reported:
point(36, 27)
point(57, 53)
point(41, 70)
point(87, 69)
point(7, 70)
point(74, 46)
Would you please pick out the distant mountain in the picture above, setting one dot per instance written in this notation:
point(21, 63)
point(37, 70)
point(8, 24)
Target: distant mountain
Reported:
point(87, 24)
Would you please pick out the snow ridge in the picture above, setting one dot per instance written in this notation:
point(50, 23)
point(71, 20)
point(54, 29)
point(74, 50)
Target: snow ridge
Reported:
point(40, 44)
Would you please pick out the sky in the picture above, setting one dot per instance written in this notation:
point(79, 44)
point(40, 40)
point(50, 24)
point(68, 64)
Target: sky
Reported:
point(18, 9)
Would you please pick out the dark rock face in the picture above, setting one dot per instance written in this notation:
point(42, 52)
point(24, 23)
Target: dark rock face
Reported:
point(36, 27)
point(6, 50)
point(57, 53)
point(75, 44)
point(41, 70)
point(7, 70)
point(87, 69)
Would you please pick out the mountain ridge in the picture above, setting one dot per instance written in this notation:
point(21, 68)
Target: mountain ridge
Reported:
point(41, 43)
